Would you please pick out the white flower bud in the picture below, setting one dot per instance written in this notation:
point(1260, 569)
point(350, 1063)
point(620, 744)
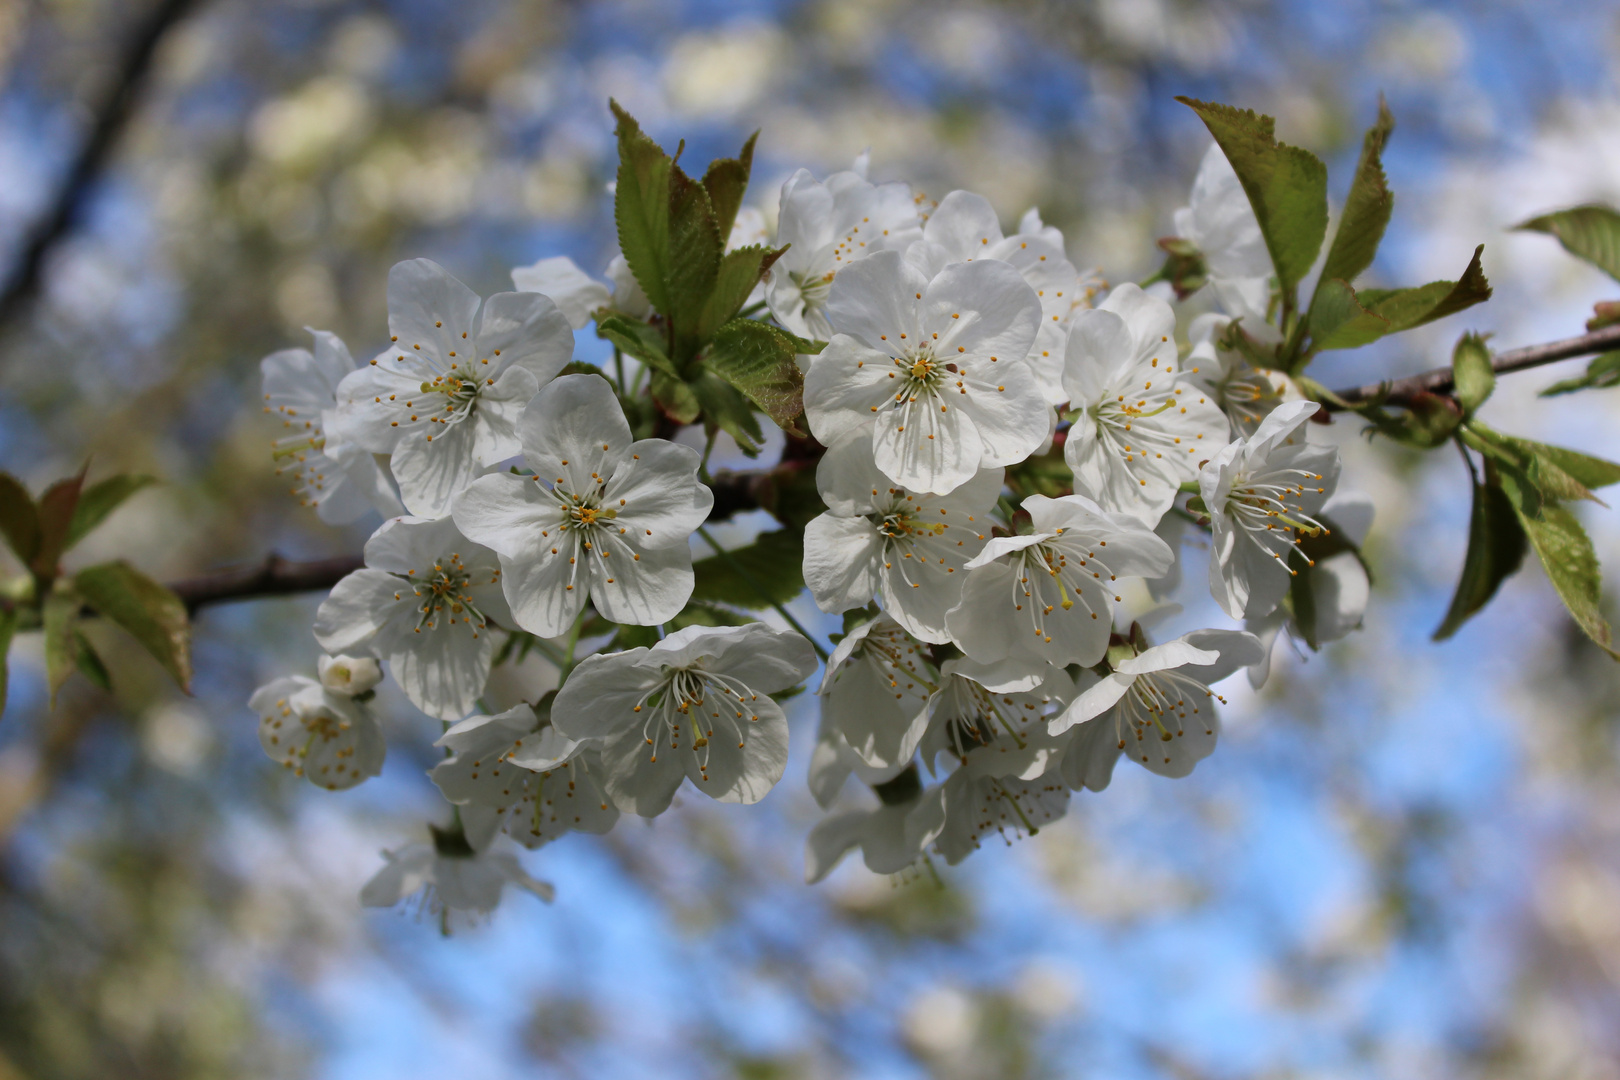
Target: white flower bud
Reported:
point(348, 675)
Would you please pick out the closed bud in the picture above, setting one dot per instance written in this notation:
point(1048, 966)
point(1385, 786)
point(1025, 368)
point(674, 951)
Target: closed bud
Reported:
point(348, 675)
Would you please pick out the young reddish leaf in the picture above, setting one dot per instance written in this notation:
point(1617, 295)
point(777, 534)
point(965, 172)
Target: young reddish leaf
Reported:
point(19, 518)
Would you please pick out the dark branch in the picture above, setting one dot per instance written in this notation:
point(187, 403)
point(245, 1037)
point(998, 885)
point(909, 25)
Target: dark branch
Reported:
point(1438, 381)
point(110, 121)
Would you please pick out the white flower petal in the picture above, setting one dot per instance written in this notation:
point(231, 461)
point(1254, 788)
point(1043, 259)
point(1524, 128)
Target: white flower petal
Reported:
point(575, 292)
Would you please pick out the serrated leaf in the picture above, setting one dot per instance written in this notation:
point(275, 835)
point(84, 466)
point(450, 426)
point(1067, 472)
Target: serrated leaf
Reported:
point(102, 498)
point(60, 616)
point(1496, 546)
point(740, 271)
point(1571, 564)
point(641, 208)
point(1339, 321)
point(637, 339)
point(675, 398)
point(695, 251)
point(725, 409)
point(1287, 186)
point(8, 627)
point(726, 181)
point(1406, 308)
point(19, 519)
point(153, 615)
point(1590, 232)
point(1472, 376)
point(1601, 373)
point(1554, 471)
point(1366, 208)
point(761, 361)
point(88, 663)
point(56, 510)
point(769, 570)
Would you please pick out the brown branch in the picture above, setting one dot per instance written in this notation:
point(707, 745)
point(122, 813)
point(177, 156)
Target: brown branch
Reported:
point(110, 121)
point(1438, 381)
point(734, 493)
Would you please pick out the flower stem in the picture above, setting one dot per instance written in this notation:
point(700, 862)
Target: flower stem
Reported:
point(749, 580)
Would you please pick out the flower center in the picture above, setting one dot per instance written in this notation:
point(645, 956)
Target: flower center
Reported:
point(444, 592)
point(460, 395)
point(700, 702)
point(1160, 705)
point(1259, 504)
point(1051, 578)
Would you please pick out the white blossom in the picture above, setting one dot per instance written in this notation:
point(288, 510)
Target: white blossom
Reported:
point(965, 716)
point(348, 675)
point(1220, 222)
point(1140, 428)
point(964, 227)
point(540, 783)
point(694, 705)
point(1048, 597)
point(1260, 492)
point(879, 539)
point(329, 739)
point(445, 397)
point(875, 692)
point(1155, 707)
point(424, 604)
point(451, 876)
point(629, 298)
point(1245, 393)
point(935, 372)
point(1338, 583)
point(576, 294)
point(832, 762)
point(335, 475)
point(826, 227)
point(880, 832)
point(601, 517)
point(974, 801)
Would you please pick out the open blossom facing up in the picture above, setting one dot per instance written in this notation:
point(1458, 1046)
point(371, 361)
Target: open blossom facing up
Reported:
point(445, 397)
point(328, 738)
point(875, 693)
point(1220, 222)
point(1260, 493)
point(964, 227)
point(451, 876)
point(423, 604)
point(1156, 707)
point(1140, 428)
point(879, 539)
point(826, 227)
point(696, 705)
point(935, 372)
point(336, 476)
point(539, 783)
point(602, 516)
point(1047, 597)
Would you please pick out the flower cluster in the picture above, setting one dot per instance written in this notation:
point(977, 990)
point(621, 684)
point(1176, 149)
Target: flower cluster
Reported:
point(1007, 465)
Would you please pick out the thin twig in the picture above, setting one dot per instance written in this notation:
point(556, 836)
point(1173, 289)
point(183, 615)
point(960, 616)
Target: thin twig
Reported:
point(1438, 381)
point(273, 576)
point(110, 121)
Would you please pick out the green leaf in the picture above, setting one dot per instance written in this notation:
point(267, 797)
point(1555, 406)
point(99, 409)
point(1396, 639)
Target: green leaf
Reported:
point(638, 339)
point(761, 361)
point(1601, 373)
point(1430, 419)
point(1496, 546)
point(641, 208)
point(1287, 186)
point(60, 616)
point(1589, 232)
point(56, 510)
point(8, 627)
point(1339, 321)
point(19, 519)
point(151, 614)
point(1366, 209)
point(726, 180)
point(1572, 567)
point(100, 499)
point(88, 663)
point(774, 562)
point(727, 410)
point(1554, 471)
point(675, 398)
point(1472, 376)
point(740, 271)
point(1406, 308)
point(695, 251)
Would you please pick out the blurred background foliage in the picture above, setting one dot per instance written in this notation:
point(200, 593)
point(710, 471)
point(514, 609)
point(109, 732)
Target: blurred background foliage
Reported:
point(1404, 861)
